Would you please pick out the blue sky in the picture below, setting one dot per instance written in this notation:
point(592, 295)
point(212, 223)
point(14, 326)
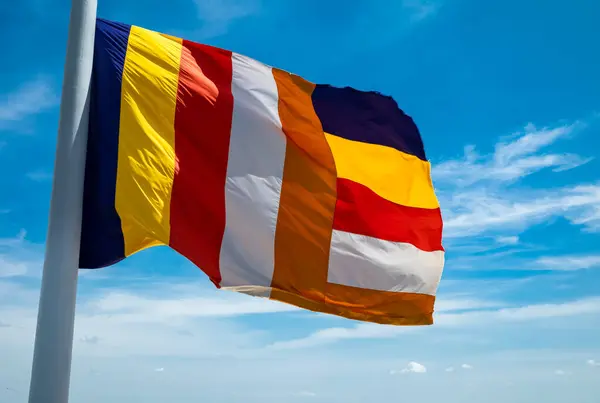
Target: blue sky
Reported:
point(507, 97)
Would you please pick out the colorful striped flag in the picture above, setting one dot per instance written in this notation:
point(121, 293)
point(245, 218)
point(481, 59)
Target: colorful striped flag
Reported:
point(317, 196)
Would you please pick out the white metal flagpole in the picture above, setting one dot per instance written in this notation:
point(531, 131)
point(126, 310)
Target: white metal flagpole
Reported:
point(51, 368)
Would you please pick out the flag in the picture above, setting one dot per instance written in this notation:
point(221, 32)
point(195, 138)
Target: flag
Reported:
point(309, 194)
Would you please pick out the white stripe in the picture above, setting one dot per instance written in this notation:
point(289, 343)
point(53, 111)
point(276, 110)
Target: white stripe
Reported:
point(254, 177)
point(365, 262)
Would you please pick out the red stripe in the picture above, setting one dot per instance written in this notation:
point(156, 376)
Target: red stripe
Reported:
point(202, 132)
point(359, 210)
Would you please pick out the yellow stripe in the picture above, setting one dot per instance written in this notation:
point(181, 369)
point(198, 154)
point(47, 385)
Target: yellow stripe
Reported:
point(146, 161)
point(396, 176)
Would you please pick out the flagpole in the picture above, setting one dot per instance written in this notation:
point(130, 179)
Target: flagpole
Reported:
point(51, 367)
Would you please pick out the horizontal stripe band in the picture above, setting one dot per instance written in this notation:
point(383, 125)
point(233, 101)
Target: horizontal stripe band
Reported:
point(395, 176)
point(361, 211)
point(368, 117)
point(384, 307)
point(375, 264)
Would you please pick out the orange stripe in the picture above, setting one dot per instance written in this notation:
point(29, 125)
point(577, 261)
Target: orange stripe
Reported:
point(305, 222)
point(385, 307)
point(308, 195)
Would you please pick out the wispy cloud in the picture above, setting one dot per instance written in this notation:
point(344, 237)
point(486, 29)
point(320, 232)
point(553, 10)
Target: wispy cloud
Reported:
point(90, 339)
point(39, 176)
point(15, 241)
point(30, 99)
point(120, 323)
point(445, 304)
point(505, 261)
point(511, 160)
point(582, 306)
point(10, 268)
point(560, 372)
point(375, 331)
point(478, 192)
point(507, 240)
point(217, 16)
point(569, 263)
point(177, 302)
point(474, 212)
point(320, 337)
point(19, 257)
point(336, 334)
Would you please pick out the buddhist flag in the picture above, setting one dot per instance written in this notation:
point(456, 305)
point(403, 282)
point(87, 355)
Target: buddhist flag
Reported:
point(309, 194)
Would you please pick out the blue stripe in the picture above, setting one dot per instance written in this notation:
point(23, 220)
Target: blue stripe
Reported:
point(368, 117)
point(102, 242)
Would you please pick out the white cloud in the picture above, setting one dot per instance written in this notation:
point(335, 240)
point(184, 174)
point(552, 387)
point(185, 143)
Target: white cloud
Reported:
point(31, 98)
point(559, 372)
point(530, 142)
point(217, 15)
point(445, 304)
point(478, 194)
point(411, 367)
point(565, 263)
point(90, 339)
point(375, 331)
point(593, 363)
point(335, 334)
point(540, 311)
point(569, 263)
point(180, 302)
point(466, 366)
point(39, 176)
point(182, 343)
point(414, 367)
point(473, 212)
point(450, 369)
point(482, 317)
point(581, 306)
point(10, 268)
point(18, 257)
point(511, 160)
point(507, 240)
point(14, 241)
point(129, 327)
point(159, 370)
